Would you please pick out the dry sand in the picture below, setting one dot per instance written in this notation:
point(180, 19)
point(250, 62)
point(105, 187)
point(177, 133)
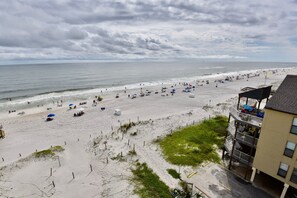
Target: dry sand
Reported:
point(22, 175)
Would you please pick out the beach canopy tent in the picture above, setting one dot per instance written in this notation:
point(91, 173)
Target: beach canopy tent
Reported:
point(70, 105)
point(117, 112)
point(257, 94)
point(51, 115)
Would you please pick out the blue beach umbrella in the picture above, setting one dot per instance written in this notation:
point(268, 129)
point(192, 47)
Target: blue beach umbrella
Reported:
point(51, 115)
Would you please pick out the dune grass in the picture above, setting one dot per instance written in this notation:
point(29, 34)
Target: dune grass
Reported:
point(195, 144)
point(148, 184)
point(49, 152)
point(173, 173)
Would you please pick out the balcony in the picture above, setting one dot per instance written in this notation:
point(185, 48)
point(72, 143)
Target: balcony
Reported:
point(243, 157)
point(246, 139)
point(245, 118)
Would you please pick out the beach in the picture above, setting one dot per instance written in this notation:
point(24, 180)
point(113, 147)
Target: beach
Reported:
point(89, 167)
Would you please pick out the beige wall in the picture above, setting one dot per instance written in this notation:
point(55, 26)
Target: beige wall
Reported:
point(274, 135)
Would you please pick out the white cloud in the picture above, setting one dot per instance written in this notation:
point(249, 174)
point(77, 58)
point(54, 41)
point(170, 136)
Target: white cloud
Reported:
point(87, 29)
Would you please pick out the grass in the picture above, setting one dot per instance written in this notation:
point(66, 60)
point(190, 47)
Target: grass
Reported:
point(148, 184)
point(49, 152)
point(174, 173)
point(195, 144)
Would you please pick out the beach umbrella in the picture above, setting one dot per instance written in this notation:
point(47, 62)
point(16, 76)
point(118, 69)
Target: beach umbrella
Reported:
point(51, 115)
point(70, 105)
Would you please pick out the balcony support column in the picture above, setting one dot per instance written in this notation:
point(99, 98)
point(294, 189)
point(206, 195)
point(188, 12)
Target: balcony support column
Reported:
point(253, 174)
point(286, 186)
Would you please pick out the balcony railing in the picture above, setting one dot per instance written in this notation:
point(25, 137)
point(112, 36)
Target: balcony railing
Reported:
point(229, 144)
point(247, 139)
point(246, 118)
point(231, 128)
point(243, 157)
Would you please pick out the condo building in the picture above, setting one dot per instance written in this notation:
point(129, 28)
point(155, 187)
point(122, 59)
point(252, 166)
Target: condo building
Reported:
point(265, 140)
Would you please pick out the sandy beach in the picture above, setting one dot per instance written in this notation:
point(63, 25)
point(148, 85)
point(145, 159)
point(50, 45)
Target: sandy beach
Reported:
point(88, 167)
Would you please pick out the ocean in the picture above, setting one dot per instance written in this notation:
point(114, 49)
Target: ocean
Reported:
point(42, 83)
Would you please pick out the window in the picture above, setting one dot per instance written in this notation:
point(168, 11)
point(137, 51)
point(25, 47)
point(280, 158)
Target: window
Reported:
point(294, 176)
point(290, 148)
point(283, 169)
point(294, 126)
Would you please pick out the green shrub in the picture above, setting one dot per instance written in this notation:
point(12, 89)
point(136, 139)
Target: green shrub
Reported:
point(49, 152)
point(173, 173)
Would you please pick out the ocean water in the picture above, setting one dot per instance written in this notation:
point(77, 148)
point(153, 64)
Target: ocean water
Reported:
point(41, 83)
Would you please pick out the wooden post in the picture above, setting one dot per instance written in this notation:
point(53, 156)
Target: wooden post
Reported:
point(20, 155)
point(90, 135)
point(2, 159)
point(36, 150)
point(107, 160)
point(53, 184)
point(121, 154)
point(51, 146)
point(101, 132)
point(128, 142)
point(91, 167)
point(78, 139)
point(73, 175)
point(65, 142)
point(59, 161)
point(51, 172)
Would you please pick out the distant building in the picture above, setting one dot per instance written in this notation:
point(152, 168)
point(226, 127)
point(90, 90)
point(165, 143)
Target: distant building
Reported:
point(267, 145)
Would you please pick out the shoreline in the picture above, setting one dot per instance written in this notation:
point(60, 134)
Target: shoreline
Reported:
point(86, 94)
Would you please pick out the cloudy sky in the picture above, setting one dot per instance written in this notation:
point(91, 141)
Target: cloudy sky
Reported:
point(240, 30)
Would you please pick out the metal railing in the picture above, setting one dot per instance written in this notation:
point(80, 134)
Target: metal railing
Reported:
point(231, 128)
point(243, 157)
point(250, 140)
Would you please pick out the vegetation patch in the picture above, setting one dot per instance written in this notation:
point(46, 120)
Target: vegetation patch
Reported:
point(174, 173)
point(132, 152)
point(125, 127)
point(134, 133)
point(49, 152)
point(148, 184)
point(195, 144)
point(119, 157)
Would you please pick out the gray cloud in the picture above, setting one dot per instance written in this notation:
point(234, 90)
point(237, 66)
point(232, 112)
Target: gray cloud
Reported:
point(145, 29)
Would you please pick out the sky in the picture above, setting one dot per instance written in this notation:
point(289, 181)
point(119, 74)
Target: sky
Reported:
point(237, 30)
